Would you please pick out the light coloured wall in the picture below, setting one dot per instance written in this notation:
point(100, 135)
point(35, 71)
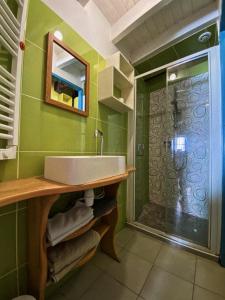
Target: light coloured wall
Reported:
point(88, 21)
point(47, 130)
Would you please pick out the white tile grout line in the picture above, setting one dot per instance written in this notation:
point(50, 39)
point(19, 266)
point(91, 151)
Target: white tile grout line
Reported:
point(96, 121)
point(17, 258)
point(71, 152)
point(213, 292)
point(35, 45)
point(153, 263)
point(8, 273)
point(13, 211)
point(113, 278)
point(108, 123)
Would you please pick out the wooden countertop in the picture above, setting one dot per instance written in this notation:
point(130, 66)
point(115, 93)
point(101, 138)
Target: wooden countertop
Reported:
point(23, 189)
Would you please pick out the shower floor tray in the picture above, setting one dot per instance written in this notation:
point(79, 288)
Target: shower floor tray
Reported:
point(175, 222)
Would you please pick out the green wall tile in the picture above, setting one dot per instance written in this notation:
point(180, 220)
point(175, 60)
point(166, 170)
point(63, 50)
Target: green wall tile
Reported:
point(8, 243)
point(93, 100)
point(54, 129)
point(121, 217)
point(8, 169)
point(73, 40)
point(22, 236)
point(41, 20)
point(32, 163)
point(92, 58)
point(7, 209)
point(22, 204)
point(110, 116)
point(33, 83)
point(115, 138)
point(8, 286)
point(22, 274)
point(101, 63)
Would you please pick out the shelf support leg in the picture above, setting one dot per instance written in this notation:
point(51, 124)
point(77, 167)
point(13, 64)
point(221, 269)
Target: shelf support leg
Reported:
point(108, 241)
point(38, 211)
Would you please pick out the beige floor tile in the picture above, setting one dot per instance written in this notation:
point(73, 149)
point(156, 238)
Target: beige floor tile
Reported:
point(202, 294)
point(106, 288)
point(210, 275)
point(177, 262)
point(124, 236)
point(80, 282)
point(131, 271)
point(144, 246)
point(161, 285)
point(102, 260)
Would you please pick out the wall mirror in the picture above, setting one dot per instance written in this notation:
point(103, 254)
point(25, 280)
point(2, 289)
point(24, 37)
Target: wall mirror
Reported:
point(67, 78)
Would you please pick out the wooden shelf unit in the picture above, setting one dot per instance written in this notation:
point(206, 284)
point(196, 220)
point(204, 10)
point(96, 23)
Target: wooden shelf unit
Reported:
point(121, 63)
point(41, 195)
point(117, 81)
point(85, 228)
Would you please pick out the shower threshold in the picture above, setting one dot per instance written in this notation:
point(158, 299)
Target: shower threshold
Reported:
point(175, 222)
point(178, 242)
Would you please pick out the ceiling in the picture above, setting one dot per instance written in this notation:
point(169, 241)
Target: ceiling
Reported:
point(142, 28)
point(143, 36)
point(113, 10)
point(179, 50)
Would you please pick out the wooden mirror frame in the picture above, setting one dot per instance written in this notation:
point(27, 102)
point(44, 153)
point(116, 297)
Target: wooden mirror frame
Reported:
point(51, 39)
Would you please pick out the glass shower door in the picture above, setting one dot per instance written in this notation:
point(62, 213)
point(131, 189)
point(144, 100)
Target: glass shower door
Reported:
point(187, 152)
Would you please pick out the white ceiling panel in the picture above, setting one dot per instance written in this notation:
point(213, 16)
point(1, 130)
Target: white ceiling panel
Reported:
point(173, 13)
point(113, 10)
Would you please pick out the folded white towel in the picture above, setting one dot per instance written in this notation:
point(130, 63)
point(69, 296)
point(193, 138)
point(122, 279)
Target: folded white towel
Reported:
point(64, 224)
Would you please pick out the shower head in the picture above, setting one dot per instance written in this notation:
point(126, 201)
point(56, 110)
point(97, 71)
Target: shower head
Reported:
point(204, 37)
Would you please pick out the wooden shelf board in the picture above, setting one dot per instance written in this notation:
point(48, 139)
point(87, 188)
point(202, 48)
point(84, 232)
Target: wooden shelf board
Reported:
point(23, 189)
point(101, 229)
point(87, 257)
point(85, 228)
point(81, 231)
point(82, 262)
point(125, 66)
point(116, 104)
point(120, 79)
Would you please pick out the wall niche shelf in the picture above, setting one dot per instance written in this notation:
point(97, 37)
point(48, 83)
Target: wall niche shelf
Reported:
point(41, 195)
point(116, 84)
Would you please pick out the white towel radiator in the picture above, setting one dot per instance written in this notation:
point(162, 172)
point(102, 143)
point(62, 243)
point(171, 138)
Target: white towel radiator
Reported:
point(12, 33)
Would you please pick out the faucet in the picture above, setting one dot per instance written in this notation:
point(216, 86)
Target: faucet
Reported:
point(99, 134)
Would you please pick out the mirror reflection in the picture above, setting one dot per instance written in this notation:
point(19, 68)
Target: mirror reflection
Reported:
point(68, 79)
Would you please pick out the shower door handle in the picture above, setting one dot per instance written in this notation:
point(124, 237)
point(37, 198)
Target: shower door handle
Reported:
point(168, 144)
point(140, 149)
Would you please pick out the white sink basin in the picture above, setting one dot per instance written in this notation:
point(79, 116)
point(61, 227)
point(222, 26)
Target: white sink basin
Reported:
point(75, 170)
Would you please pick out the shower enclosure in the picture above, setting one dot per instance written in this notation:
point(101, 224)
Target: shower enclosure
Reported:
point(177, 153)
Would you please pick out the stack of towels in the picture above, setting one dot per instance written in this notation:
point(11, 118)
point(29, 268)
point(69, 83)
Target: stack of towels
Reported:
point(63, 224)
point(65, 256)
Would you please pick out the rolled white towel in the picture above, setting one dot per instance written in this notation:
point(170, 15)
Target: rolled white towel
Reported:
point(63, 224)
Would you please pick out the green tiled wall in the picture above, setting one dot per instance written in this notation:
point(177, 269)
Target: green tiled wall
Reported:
point(46, 130)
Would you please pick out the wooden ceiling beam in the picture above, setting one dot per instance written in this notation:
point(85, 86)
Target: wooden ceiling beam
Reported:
point(196, 22)
point(142, 10)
